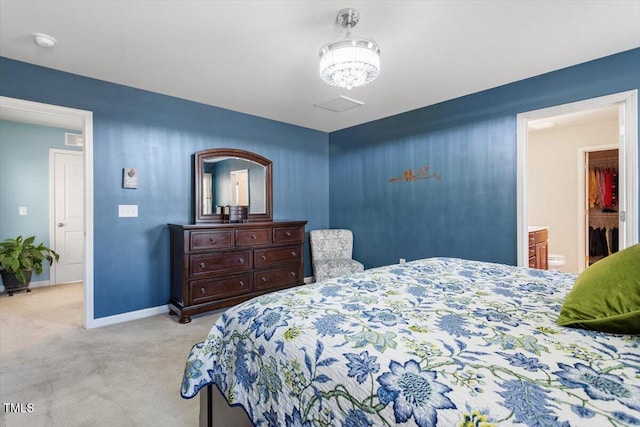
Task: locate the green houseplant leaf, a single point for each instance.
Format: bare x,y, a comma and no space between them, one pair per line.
19,255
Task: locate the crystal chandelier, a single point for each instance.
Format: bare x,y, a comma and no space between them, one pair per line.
352,61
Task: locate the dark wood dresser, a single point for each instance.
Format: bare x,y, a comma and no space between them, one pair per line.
219,265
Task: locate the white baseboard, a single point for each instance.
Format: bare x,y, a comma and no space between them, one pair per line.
125,317
132,315
40,284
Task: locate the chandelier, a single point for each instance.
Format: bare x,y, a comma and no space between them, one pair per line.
352,61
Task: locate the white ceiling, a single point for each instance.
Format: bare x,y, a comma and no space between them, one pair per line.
261,57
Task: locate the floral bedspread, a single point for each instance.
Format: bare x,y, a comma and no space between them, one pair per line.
440,341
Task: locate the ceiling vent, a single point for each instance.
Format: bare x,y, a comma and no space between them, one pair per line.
340,104
73,139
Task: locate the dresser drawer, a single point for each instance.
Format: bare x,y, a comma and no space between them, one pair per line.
220,262
538,236
532,251
201,240
288,234
270,256
207,290
258,236
274,278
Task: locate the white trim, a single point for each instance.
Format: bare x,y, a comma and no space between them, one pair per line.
628,153
86,118
40,284
582,192
629,143
87,150
45,283
131,315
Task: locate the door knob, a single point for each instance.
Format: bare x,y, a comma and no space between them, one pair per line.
60,224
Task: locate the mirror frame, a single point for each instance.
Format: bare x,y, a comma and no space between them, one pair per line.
241,154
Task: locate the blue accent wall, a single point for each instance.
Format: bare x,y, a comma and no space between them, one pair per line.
158,135
471,142
24,180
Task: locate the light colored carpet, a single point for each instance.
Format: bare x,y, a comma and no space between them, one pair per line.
127,374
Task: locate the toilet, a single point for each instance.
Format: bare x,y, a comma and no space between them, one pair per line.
556,262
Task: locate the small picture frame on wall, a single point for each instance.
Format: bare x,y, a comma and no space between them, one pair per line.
129,178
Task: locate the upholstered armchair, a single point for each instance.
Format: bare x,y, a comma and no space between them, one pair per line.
331,254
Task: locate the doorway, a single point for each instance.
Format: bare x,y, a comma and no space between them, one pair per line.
69,118
625,104
598,213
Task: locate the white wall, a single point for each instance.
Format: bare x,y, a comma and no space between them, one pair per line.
552,182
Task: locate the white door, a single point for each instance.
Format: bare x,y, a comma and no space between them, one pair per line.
68,215
240,187
207,194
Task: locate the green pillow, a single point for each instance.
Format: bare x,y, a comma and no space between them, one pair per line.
606,296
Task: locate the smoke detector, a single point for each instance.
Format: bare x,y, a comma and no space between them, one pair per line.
44,40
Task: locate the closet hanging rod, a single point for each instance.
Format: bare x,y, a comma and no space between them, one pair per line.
603,160
610,165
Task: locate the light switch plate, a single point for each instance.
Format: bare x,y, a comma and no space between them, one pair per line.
128,211
22,210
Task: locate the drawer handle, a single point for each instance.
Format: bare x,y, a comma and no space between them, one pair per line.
202,291
293,253
288,233
212,240
293,273
264,257
264,279
241,260
241,283
203,265
253,236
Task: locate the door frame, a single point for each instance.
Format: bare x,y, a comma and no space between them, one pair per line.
63,115
53,271
628,146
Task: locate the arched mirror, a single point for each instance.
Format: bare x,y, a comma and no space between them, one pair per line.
227,177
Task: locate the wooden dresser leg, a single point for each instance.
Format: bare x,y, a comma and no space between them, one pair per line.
184,319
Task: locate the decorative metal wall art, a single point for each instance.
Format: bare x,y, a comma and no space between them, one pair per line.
423,173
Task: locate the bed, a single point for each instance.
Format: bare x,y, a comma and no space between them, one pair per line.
439,341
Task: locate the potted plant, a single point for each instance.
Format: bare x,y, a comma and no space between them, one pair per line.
19,258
